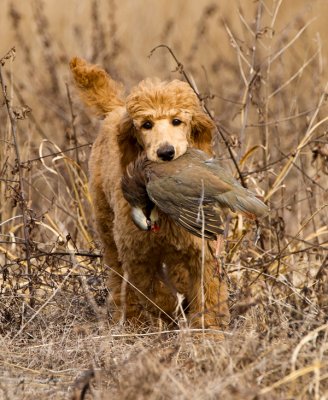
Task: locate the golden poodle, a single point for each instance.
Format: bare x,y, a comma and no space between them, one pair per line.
148,270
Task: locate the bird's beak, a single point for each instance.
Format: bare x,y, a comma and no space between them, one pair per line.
154,227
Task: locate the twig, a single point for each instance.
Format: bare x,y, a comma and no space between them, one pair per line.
79,253
55,153
273,57
292,376
307,136
126,280
21,99
240,55
297,73
304,173
73,117
180,68
202,217
310,336
75,265
285,119
10,55
318,246
283,281
22,200
254,74
281,254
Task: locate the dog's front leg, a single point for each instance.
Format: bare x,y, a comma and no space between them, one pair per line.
208,296
143,296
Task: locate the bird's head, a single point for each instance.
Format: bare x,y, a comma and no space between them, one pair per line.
143,222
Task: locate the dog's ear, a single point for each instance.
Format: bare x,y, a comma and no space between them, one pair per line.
128,142
202,128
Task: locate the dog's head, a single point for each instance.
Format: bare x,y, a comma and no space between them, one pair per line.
166,118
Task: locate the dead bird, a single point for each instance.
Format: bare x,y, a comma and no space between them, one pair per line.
193,190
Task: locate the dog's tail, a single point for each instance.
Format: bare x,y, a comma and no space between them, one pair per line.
97,89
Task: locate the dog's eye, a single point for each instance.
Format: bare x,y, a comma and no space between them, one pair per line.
147,125
176,122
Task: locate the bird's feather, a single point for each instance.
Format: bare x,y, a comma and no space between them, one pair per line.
189,189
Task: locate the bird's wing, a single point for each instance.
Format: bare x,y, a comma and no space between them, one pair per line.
231,193
193,222
186,209
220,185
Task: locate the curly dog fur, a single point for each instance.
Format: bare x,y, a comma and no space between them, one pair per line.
156,266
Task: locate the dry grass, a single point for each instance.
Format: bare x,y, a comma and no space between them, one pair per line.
261,70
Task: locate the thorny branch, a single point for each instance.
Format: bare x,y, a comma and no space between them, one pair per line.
56,153
182,71
22,200
73,117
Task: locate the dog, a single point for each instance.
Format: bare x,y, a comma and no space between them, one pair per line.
149,270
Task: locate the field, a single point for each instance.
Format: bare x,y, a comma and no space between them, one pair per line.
261,69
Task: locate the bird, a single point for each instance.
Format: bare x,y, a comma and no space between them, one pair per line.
194,190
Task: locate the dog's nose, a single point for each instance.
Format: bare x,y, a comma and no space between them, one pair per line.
166,152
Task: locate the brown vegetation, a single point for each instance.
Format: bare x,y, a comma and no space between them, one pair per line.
261,71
